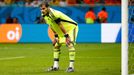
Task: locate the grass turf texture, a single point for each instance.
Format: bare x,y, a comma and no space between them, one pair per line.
91,59
131,58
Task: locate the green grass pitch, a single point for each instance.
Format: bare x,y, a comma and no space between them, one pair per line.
34,59
131,58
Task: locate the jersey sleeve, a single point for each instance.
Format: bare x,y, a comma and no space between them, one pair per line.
62,16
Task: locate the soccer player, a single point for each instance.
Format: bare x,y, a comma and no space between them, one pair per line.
65,32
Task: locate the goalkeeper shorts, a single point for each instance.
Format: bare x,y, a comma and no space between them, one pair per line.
62,40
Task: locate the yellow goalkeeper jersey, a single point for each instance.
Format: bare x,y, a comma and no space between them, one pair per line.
54,17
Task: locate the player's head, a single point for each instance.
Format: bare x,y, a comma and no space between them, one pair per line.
44,8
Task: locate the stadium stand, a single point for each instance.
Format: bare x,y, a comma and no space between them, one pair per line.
27,11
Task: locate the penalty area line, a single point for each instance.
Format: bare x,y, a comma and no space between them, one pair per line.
11,58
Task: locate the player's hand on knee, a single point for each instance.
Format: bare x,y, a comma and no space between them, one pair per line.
68,40
56,40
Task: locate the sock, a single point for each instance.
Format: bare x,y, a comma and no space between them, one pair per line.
71,56
56,58
56,64
71,64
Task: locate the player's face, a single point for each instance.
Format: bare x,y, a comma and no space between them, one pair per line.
44,9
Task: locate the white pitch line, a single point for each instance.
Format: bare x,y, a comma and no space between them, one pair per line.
10,58
99,57
6,48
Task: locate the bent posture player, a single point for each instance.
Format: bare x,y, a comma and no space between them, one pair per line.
65,32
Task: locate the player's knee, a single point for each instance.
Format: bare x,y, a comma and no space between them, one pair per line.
56,48
56,45
71,45
71,49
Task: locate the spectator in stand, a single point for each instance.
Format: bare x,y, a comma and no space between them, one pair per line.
90,16
28,3
91,2
46,1
112,2
131,2
71,2
102,2
55,2
63,3
36,3
19,2
102,16
8,2
2,3
79,1
118,1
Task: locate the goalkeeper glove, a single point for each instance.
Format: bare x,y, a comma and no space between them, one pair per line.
68,40
56,39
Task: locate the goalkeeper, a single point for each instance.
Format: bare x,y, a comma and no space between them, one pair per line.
65,32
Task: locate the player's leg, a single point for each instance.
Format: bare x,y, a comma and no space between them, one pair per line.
71,48
56,55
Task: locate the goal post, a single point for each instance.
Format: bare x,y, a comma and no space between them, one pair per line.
124,43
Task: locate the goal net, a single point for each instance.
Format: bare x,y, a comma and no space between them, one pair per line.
131,37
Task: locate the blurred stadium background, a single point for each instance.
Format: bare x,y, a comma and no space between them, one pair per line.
26,49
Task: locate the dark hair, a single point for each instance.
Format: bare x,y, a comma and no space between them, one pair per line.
44,3
9,20
91,9
104,9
